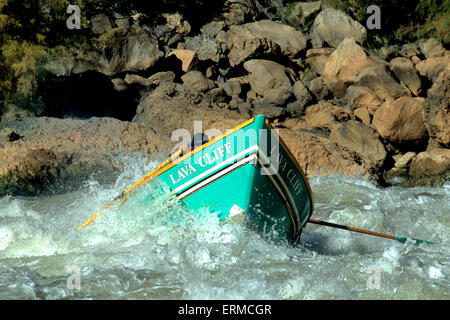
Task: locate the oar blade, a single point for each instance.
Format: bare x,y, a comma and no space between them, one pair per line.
416,241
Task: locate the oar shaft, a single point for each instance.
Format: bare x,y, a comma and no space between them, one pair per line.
338,226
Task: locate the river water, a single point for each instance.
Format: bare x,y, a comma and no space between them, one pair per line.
157,250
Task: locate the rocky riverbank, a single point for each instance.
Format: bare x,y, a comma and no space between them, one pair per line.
340,107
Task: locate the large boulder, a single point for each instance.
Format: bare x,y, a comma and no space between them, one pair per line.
331,26
350,65
432,48
437,109
301,14
46,154
322,116
320,156
173,108
256,39
176,22
100,23
362,140
404,70
430,162
197,81
266,74
238,11
270,111
433,66
206,47
362,97
401,120
120,50
303,98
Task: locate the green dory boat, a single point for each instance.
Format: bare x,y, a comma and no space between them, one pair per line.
246,172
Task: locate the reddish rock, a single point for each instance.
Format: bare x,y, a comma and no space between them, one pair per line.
350,65
51,152
362,140
362,97
320,156
188,58
401,120
322,116
363,115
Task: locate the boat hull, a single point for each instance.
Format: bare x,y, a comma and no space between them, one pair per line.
246,171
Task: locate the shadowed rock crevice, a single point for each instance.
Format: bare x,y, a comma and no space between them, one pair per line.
90,94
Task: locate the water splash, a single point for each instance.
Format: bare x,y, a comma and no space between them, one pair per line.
152,247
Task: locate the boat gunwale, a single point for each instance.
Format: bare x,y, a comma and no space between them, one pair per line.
205,145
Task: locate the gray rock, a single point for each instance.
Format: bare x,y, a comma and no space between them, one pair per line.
236,102
133,49
100,23
14,113
269,110
254,39
404,70
361,139
232,88
216,95
197,81
119,84
332,26
432,48
430,162
301,14
301,93
403,160
296,108
362,97
154,79
409,50
318,88
56,152
8,135
212,28
437,109
266,74
238,11
206,47
277,96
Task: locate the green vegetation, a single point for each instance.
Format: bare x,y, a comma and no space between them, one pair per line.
30,30
402,20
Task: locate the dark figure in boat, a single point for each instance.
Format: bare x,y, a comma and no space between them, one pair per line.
197,140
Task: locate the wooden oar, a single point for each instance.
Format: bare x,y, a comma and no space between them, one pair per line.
377,234
124,195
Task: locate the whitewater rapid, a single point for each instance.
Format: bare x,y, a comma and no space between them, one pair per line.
155,249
